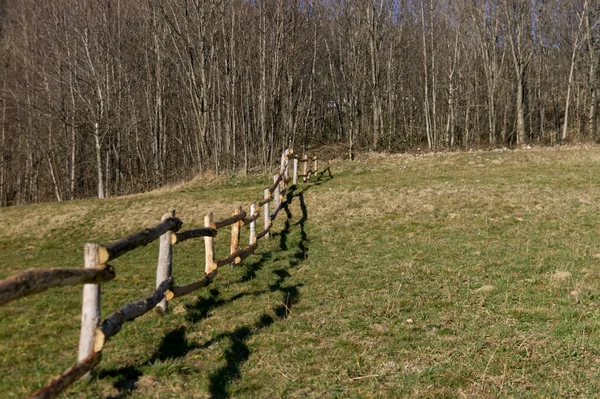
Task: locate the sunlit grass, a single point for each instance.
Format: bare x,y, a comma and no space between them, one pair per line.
428,276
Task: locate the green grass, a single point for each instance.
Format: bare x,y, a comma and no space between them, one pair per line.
375,294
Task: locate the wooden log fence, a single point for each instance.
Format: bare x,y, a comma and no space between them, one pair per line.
34,281
95,332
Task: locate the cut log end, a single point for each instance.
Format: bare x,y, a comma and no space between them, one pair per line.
169,295
103,255
99,340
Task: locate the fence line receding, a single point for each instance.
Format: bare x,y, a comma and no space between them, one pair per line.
95,332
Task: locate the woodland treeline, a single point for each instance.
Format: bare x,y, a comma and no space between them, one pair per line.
106,97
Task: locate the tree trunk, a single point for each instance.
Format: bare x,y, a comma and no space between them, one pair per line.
520,107
98,144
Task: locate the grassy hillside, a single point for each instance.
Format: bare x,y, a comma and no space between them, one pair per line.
449,275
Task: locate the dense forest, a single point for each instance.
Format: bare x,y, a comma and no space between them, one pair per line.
106,97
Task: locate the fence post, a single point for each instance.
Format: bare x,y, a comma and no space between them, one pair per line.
252,223
305,168
315,165
266,212
164,269
282,166
235,234
295,176
286,173
90,308
209,247
276,196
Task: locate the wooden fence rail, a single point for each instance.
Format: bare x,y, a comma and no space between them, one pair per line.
34,281
96,332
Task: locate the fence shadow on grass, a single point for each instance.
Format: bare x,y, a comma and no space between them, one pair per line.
238,351
175,344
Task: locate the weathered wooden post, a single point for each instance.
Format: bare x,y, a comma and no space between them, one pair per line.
235,234
267,212
164,269
276,194
90,308
209,247
305,168
295,175
315,165
282,165
286,173
252,223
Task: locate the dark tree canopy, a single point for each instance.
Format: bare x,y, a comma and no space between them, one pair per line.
112,97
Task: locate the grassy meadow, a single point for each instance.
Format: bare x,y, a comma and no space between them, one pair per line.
448,275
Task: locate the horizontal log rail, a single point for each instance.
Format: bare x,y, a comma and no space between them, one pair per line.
68,377
113,323
34,281
298,157
238,256
253,218
142,238
178,291
264,232
266,200
276,183
193,233
229,221
95,334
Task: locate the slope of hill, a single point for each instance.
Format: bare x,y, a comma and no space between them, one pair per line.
465,274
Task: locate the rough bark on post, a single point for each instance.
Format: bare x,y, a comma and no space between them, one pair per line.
286,171
266,212
90,308
283,160
276,196
315,165
282,185
252,224
295,176
209,247
235,233
164,269
305,168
